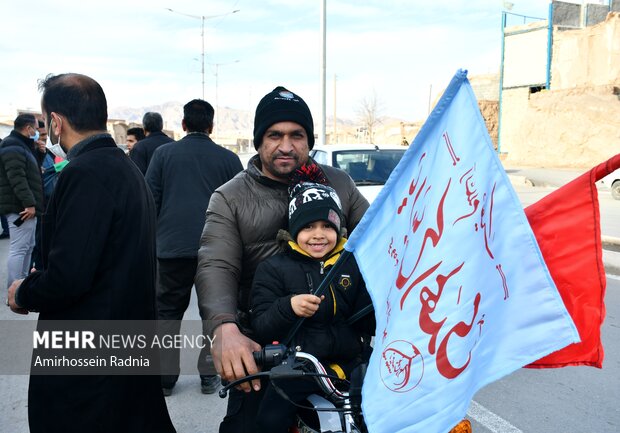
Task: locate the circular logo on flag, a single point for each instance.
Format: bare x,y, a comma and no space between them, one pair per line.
402,366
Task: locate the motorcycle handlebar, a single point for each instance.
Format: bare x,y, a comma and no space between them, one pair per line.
270,359
270,356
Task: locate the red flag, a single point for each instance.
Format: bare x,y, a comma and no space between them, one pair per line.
566,224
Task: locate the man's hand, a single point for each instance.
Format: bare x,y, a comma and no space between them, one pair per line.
232,355
27,213
11,298
306,305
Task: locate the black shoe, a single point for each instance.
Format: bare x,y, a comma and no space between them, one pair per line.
209,384
166,391
4,235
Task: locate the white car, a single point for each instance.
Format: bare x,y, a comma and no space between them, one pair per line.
368,165
612,181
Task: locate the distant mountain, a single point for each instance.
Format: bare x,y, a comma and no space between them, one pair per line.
235,123
172,113
229,121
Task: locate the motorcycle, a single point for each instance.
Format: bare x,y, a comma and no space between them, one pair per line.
333,410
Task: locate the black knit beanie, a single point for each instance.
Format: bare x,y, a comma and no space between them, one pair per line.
311,202
282,105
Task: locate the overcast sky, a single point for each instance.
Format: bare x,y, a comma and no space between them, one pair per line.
143,54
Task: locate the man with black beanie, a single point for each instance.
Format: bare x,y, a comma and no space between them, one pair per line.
278,106
242,222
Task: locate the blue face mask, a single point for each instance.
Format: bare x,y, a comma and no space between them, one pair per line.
35,137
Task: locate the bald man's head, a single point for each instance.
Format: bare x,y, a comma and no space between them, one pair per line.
79,98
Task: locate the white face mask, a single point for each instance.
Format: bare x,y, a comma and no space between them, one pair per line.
54,148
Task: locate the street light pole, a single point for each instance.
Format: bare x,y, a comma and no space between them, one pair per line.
322,120
217,107
202,37
202,19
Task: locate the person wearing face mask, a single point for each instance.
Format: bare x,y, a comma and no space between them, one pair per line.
21,193
49,170
49,174
98,248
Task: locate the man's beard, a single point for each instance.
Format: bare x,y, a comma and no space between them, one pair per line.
283,172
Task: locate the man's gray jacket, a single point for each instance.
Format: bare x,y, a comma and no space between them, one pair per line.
242,224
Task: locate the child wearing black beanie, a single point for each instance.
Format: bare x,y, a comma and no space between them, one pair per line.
283,291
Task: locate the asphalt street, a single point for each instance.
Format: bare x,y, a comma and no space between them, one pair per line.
190,410
570,399
193,412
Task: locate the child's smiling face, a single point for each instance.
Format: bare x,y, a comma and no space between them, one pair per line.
317,239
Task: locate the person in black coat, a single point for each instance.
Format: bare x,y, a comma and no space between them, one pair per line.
144,149
282,292
98,266
182,176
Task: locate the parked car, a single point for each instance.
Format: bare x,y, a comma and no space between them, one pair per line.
368,165
612,181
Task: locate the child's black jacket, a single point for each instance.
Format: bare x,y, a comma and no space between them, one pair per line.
325,335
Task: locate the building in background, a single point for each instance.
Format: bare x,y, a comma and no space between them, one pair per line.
559,86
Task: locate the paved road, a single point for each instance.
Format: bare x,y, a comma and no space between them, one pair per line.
570,399
521,401
191,411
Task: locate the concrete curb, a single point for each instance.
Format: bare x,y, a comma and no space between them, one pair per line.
517,180
611,254
611,244
611,261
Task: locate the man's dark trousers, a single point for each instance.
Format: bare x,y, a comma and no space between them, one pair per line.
175,279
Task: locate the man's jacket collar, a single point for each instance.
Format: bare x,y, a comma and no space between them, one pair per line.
92,142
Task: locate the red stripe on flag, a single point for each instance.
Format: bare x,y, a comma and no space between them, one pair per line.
566,224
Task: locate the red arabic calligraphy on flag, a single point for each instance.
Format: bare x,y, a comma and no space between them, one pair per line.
460,290
428,276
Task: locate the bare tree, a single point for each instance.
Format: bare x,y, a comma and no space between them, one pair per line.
368,113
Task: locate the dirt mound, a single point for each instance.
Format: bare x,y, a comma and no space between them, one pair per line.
568,128
490,111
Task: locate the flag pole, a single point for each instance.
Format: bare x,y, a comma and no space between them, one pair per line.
342,260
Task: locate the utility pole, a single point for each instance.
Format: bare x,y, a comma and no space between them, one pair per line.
430,92
335,140
323,72
202,19
216,127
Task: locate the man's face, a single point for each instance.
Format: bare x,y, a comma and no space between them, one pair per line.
283,150
131,142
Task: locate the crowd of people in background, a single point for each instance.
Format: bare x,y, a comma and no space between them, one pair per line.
191,217
150,135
